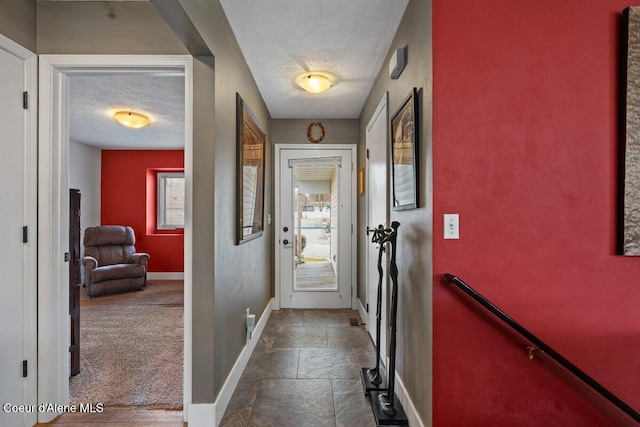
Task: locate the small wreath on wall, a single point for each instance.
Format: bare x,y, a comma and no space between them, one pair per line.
310,132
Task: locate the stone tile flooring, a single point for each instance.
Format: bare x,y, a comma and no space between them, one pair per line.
305,371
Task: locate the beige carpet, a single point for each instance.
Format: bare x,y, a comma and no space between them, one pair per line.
131,348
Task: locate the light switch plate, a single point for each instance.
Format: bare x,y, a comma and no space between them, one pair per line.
451,226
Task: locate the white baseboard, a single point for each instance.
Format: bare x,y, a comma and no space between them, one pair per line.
407,404
165,276
231,382
229,386
210,414
202,414
363,314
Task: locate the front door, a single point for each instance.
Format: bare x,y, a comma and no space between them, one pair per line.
315,240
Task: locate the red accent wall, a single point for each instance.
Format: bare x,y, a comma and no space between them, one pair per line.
128,198
525,147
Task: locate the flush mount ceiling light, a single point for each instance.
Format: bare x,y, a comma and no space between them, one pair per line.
131,119
314,82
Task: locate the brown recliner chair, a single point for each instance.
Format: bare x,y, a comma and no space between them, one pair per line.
111,264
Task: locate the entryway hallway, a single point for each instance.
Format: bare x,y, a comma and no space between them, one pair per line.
303,372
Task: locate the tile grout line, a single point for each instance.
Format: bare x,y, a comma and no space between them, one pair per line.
253,403
326,335
333,401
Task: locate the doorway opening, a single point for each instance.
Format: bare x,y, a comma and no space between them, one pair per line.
128,177
315,213
54,152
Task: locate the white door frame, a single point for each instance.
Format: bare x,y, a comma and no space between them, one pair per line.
30,218
354,215
53,222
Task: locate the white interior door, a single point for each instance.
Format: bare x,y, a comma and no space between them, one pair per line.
377,213
17,299
315,240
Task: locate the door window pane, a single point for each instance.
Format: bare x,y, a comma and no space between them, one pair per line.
315,235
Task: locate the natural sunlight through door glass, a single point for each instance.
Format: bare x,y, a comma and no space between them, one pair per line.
315,234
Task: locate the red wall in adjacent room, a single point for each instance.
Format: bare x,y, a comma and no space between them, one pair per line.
124,201
525,147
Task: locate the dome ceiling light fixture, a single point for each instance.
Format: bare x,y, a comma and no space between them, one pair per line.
314,82
132,119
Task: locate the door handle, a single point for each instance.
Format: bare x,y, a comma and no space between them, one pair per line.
285,242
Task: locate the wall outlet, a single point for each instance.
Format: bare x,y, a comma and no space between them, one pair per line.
451,226
251,324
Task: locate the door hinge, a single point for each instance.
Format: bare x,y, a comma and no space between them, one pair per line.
24,369
351,228
25,234
367,153
25,100
367,307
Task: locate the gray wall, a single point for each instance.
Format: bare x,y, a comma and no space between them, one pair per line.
414,355
203,231
294,131
105,28
18,22
243,274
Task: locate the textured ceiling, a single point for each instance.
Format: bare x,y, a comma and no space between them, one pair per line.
94,99
281,39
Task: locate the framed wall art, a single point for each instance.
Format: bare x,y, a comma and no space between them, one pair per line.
315,132
629,197
404,154
250,146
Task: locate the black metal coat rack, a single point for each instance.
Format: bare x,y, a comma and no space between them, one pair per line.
373,379
387,410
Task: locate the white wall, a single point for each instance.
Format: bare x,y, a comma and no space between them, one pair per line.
84,175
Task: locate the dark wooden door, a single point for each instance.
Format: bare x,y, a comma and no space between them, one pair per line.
74,279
